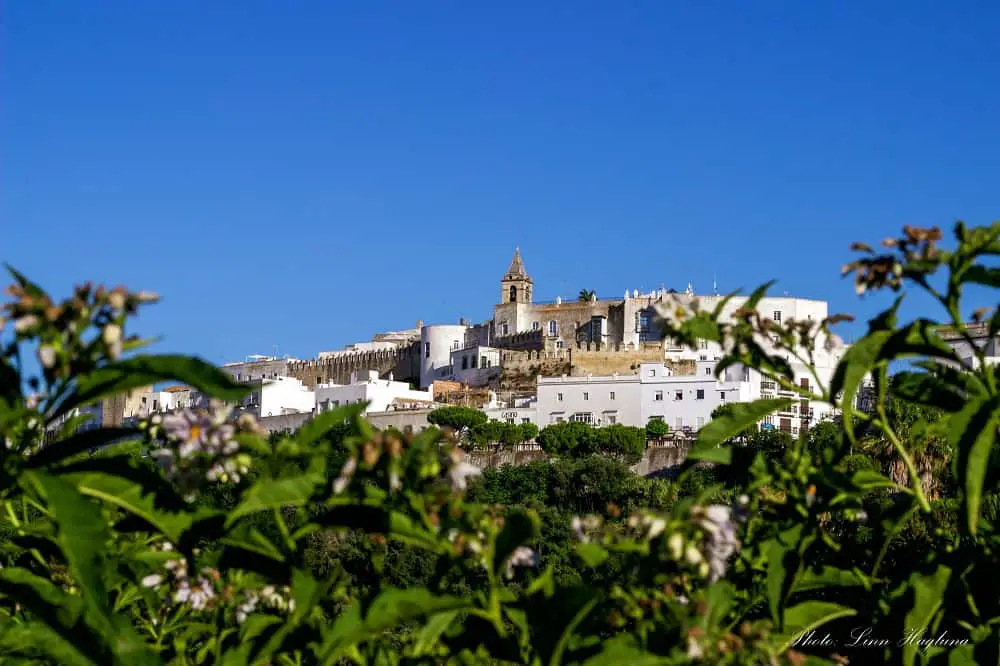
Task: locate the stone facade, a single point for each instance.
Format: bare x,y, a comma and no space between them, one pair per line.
402,362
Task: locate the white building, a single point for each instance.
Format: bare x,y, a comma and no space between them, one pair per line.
593,400
979,333
682,401
476,365
520,410
278,395
382,395
436,344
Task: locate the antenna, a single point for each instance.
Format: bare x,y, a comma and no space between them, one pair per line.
715,284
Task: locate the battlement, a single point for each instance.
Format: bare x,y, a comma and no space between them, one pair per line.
402,361
523,341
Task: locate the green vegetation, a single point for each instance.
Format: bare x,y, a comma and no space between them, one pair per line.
195,539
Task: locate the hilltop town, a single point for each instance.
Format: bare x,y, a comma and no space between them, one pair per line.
595,360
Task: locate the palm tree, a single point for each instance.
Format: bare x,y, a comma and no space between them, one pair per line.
587,295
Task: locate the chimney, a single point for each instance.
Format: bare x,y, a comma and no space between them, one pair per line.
461,321
420,324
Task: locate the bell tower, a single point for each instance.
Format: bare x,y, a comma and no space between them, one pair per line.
515,287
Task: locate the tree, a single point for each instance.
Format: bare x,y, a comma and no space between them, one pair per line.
657,429
458,419
528,431
626,443
567,438
587,295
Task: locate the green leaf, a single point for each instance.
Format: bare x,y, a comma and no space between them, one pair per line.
83,537
973,431
266,494
592,554
377,520
856,363
624,649
983,275
742,416
782,567
927,389
141,371
430,633
826,576
78,443
161,515
807,616
40,643
315,429
391,608
928,595
518,528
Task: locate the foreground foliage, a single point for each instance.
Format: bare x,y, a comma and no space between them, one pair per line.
194,538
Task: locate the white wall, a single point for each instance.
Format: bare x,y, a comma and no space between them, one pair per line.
379,393
436,345
687,400
559,398
282,395
482,365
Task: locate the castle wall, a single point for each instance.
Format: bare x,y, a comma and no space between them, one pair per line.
402,362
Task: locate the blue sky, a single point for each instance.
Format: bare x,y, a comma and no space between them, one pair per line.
306,174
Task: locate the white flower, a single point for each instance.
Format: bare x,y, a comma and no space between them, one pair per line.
116,300
200,596
694,649
246,608
25,323
112,337
676,545
460,473
47,356
153,580
721,543
577,526
521,557
394,482
692,554
656,528
346,472
188,428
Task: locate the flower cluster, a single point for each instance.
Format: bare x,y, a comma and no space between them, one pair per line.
916,252
270,597
198,594
720,542
199,445
60,327
521,557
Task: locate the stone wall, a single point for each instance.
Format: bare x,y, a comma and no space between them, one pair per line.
402,362
657,461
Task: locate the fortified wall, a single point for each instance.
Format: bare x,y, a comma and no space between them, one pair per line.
519,369
403,362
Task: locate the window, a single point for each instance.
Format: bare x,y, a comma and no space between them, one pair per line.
708,370
556,417
611,419
678,395
523,420
513,294
700,394
559,344
804,382
658,396
465,363
777,316
483,363
612,395
703,344
583,417
504,330
722,396
535,326
586,396
552,327
559,397
427,350
474,359
652,372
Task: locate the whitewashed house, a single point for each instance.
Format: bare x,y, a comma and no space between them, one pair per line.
381,394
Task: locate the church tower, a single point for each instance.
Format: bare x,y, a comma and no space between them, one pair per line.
515,285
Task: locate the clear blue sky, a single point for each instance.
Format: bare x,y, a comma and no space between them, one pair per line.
308,173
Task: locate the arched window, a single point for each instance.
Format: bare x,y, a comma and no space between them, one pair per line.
504,330
552,327
513,294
